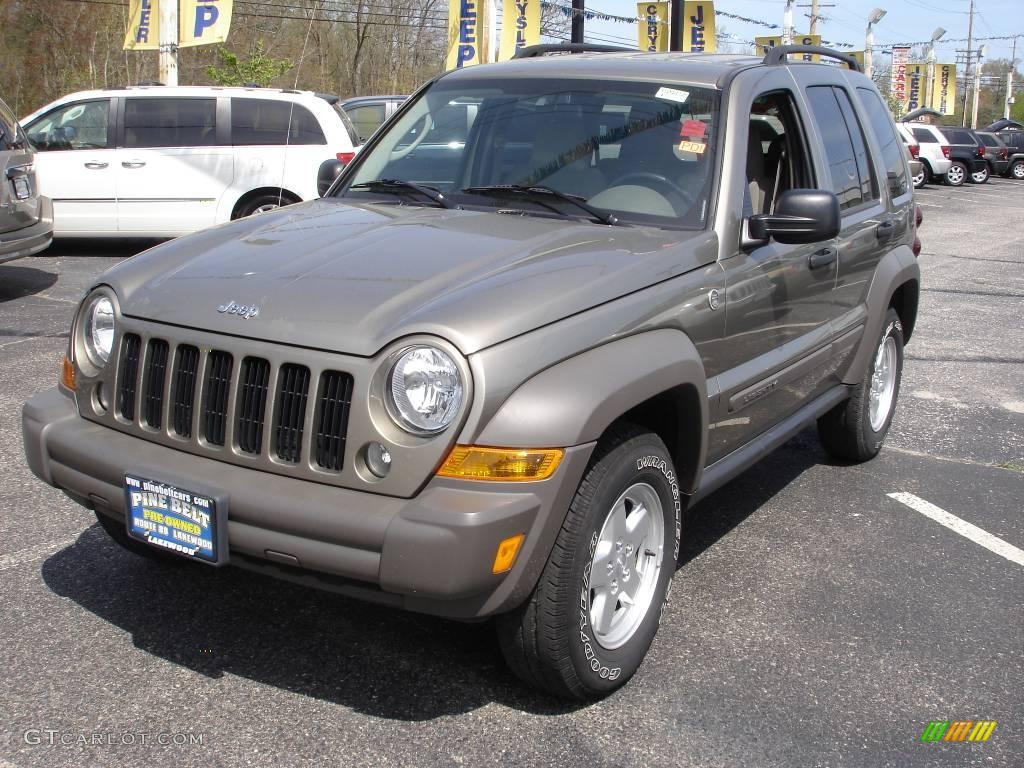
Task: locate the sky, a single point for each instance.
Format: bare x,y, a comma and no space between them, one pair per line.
905,21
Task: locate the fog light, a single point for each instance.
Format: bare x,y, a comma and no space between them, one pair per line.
471,462
505,557
378,459
67,374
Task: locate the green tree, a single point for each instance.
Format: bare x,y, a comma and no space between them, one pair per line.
259,68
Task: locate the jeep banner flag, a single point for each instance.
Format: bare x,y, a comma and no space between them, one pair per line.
767,42
467,33
520,26
917,76
143,26
898,85
652,31
699,27
201,22
944,89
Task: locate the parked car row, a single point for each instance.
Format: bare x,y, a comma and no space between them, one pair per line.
953,155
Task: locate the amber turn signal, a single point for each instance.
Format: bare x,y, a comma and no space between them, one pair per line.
67,374
470,462
505,557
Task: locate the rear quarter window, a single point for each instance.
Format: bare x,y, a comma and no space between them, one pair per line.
924,136
265,122
881,125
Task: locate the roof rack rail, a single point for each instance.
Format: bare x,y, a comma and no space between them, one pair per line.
778,54
532,51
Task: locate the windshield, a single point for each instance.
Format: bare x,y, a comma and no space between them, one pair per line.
642,153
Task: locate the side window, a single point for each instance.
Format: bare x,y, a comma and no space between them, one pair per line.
263,122
844,161
163,122
988,140
924,136
367,119
82,125
8,127
776,152
885,132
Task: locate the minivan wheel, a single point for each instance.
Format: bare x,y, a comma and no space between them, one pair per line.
590,620
855,429
262,204
1017,169
956,174
980,177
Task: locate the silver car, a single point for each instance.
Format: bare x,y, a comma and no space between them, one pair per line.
26,218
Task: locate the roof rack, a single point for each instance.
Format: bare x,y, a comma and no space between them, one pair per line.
532,51
779,54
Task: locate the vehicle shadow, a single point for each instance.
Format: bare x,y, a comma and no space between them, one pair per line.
18,281
90,246
376,660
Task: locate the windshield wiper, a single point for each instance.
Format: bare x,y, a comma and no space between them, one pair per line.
537,191
398,186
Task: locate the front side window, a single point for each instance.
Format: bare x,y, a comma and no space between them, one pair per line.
367,118
81,125
892,150
844,147
262,122
641,152
163,122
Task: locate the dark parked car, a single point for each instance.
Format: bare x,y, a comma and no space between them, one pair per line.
997,154
26,217
1013,137
968,155
368,113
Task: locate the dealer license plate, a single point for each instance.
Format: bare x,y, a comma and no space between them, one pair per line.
172,518
22,190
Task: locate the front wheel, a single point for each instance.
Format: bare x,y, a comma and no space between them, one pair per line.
980,177
856,428
1017,170
590,620
956,174
920,178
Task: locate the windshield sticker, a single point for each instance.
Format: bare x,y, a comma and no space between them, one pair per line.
672,94
693,129
697,147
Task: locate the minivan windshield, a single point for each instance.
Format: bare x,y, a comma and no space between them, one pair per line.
614,152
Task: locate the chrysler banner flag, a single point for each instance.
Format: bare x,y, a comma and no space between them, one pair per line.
699,27
467,33
143,26
201,22
652,31
944,89
520,26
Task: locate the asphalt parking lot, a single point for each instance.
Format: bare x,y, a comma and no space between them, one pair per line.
815,620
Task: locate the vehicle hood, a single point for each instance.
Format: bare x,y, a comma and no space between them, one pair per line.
352,278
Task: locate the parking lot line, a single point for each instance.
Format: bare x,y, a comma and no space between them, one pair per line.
957,525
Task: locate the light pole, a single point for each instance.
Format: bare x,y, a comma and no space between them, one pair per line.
1014,61
930,59
977,84
787,24
869,40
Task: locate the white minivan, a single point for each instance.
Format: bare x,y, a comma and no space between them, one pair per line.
158,161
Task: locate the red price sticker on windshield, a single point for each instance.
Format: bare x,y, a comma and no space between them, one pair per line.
693,129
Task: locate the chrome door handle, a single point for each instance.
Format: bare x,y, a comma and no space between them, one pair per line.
132,164
96,166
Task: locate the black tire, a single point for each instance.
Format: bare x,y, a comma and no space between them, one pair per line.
116,530
846,430
263,203
922,178
979,177
1016,170
549,641
957,174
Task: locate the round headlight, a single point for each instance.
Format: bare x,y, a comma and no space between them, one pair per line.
99,330
424,390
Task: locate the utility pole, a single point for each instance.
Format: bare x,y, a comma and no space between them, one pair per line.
675,26
814,16
1009,82
970,39
168,55
787,24
577,21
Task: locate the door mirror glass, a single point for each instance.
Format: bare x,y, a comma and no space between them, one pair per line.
801,216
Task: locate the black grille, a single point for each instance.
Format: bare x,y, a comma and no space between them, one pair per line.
153,383
333,401
290,411
129,375
252,403
215,399
183,389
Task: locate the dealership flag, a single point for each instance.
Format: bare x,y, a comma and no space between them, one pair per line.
917,75
699,27
766,43
201,22
944,89
467,33
652,31
900,59
143,26
520,26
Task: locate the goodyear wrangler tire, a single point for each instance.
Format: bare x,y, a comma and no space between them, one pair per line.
856,428
596,607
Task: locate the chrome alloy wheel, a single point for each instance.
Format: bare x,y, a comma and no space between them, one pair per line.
265,208
955,174
980,177
626,564
920,179
883,383
1018,170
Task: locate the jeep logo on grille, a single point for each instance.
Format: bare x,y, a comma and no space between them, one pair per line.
242,310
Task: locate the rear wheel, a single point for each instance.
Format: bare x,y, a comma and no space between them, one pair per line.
595,610
956,174
263,203
980,177
921,178
1016,169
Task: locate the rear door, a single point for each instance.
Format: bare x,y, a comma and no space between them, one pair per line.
171,172
19,207
75,165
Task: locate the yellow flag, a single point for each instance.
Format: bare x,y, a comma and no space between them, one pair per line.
652,31
467,33
520,26
699,26
858,57
143,26
944,89
916,76
766,43
201,22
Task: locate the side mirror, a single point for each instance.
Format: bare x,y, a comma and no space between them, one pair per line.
329,170
801,216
